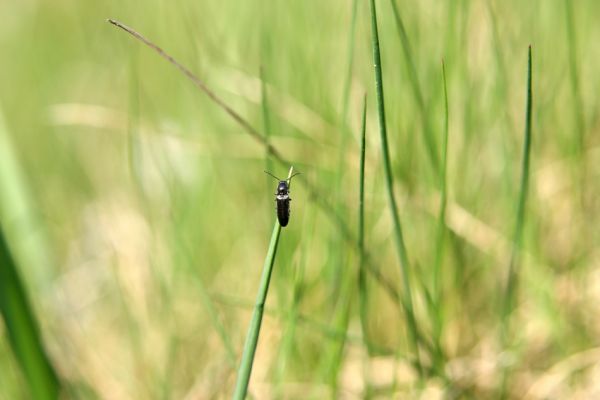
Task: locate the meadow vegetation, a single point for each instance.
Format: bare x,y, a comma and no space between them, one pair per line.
444,233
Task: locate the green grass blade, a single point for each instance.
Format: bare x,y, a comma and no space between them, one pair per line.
441,228
416,88
518,233
264,103
341,284
350,63
398,236
26,247
511,283
363,294
436,303
574,78
22,329
245,369
338,255
362,276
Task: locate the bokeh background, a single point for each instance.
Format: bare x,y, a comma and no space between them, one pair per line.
139,214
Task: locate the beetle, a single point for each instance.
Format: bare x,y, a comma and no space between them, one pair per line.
282,198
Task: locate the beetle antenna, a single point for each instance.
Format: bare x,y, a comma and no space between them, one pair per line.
297,173
268,173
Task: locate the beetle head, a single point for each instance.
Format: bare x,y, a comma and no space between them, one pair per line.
282,188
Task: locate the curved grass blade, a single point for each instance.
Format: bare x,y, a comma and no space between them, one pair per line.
264,104
416,88
574,80
518,234
398,236
511,283
27,248
441,226
243,378
23,332
362,278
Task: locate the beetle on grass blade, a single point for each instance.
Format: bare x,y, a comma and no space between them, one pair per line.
282,198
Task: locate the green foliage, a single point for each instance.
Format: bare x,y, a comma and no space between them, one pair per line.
139,213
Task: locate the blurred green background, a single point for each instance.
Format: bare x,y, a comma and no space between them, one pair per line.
139,215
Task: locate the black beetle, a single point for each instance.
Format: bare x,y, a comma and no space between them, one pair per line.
282,198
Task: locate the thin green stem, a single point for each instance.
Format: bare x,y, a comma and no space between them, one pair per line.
416,88
362,278
574,78
518,233
245,369
363,295
511,282
398,236
265,114
441,227
443,197
350,64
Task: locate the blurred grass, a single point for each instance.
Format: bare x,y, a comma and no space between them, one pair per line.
403,261
22,330
20,321
146,202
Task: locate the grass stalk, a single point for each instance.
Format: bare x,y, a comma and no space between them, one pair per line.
293,316
363,305
518,233
23,331
574,79
264,103
23,249
363,295
416,88
435,295
441,225
350,63
245,369
398,236
511,282
342,284
339,256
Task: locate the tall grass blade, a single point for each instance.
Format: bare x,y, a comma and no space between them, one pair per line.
26,248
416,88
441,226
398,236
350,63
22,329
443,200
363,298
338,256
245,369
363,294
574,78
518,233
264,102
341,283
